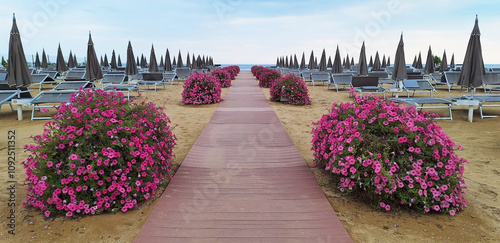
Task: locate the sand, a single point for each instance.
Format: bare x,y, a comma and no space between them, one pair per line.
478,223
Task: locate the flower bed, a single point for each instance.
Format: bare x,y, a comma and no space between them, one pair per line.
223,76
290,89
232,70
200,89
267,77
391,155
101,153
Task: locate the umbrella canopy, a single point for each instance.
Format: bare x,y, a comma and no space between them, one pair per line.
106,62
370,64
414,64
286,61
352,61
311,61
337,63
119,61
419,65
45,64
322,62
452,62
74,60
376,62
429,63
93,71
102,62
362,66
37,61
153,64
113,60
384,62
347,62
188,61
18,72
144,62
303,61
174,62
168,63
329,64
193,61
399,72
60,63
130,66
388,61
138,61
471,74
444,62
295,62
71,61
162,64
179,60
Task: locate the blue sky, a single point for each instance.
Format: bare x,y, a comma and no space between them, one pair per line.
256,31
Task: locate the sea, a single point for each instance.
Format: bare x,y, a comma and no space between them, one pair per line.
247,67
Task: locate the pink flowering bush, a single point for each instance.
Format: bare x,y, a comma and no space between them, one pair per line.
256,70
101,153
390,154
232,70
223,76
292,88
201,88
268,77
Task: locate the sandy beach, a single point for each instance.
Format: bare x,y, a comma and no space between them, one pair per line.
478,223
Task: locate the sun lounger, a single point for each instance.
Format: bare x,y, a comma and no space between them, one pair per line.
491,82
418,86
116,83
320,77
306,75
113,79
483,99
150,80
340,80
169,78
383,77
52,74
41,79
448,79
73,85
77,73
182,73
3,76
47,99
431,102
367,85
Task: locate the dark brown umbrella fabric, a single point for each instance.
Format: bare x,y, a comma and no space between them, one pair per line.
93,70
153,65
18,72
60,63
38,64
113,60
471,74
45,64
362,66
399,71
429,63
168,63
322,62
337,63
130,66
179,60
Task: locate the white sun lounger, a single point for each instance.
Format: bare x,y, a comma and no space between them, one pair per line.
47,99
428,103
340,80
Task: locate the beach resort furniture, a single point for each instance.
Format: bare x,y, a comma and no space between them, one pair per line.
383,77
448,79
3,76
73,85
320,77
363,84
116,83
150,80
183,73
340,80
428,103
491,82
75,74
306,75
47,99
418,86
169,77
7,95
41,79
52,74
485,100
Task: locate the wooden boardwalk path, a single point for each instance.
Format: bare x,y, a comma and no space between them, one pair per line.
243,181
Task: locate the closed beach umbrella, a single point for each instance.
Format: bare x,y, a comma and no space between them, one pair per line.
362,65
193,61
295,62
45,64
286,61
106,62
347,62
168,63
384,62
179,60
18,73
322,62
60,63
138,61
337,65
113,60
429,63
303,61
93,71
74,60
414,64
188,60
102,62
162,64
376,62
119,61
311,61
38,64
370,64
444,62
388,61
130,66
153,65
329,64
419,61
144,62
471,74
399,72
174,62
452,62
352,61
71,61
